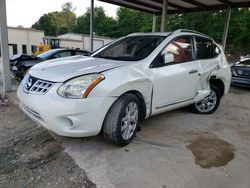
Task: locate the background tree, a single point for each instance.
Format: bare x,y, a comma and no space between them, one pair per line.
48,23
129,21
56,23
103,24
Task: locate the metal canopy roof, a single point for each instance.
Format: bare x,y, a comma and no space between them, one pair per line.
179,6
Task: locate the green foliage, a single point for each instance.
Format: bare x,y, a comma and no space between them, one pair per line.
56,23
103,25
212,23
129,21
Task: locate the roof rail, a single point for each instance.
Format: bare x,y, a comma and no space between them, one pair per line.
190,31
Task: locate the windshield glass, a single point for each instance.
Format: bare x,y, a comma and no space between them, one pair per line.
132,48
46,55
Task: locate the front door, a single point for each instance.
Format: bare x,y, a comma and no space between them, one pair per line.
175,82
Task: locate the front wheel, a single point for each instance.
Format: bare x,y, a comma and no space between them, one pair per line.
209,104
121,122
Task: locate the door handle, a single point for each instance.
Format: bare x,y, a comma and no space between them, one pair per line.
193,71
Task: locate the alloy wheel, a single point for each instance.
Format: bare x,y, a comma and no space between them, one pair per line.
129,120
208,103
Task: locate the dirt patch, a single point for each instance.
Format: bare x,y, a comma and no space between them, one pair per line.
210,151
35,159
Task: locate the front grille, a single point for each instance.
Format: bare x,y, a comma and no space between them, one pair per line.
36,86
40,87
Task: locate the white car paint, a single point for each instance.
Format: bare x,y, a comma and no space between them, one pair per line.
163,88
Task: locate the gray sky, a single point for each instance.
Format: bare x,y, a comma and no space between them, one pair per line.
27,12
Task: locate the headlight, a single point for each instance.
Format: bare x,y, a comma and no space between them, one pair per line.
80,87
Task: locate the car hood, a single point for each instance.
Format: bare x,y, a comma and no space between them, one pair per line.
62,69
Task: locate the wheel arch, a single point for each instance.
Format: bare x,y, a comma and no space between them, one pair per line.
219,84
143,108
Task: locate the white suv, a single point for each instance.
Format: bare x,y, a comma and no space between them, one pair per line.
130,79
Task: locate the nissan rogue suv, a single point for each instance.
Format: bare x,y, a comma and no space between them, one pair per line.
132,78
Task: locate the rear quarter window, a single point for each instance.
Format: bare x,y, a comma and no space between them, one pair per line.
205,48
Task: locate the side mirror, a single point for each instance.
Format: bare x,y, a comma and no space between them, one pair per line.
168,58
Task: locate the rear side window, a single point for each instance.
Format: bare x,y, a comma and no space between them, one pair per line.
63,54
80,53
204,47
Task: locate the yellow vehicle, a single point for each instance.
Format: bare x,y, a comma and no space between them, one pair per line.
48,44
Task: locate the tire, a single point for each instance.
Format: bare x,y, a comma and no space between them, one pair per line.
119,128
202,107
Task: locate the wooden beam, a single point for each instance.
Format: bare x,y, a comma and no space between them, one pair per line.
240,5
154,6
226,2
176,6
210,8
122,4
195,3
180,9
199,9
144,4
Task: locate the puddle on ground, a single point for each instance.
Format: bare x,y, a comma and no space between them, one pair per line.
211,151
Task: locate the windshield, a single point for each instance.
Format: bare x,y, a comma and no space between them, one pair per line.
46,55
132,48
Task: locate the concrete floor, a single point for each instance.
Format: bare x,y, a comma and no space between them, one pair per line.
159,156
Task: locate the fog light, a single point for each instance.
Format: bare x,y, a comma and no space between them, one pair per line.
66,123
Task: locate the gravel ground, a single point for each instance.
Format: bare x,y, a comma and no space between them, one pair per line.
31,157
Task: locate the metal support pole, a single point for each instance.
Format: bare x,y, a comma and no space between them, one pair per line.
91,25
226,26
154,23
164,15
4,59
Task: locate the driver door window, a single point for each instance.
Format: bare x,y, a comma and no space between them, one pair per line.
181,48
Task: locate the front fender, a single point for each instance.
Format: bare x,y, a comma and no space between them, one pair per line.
123,80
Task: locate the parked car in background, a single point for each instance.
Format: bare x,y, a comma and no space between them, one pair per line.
133,78
19,65
241,73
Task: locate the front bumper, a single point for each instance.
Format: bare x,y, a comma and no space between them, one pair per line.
66,117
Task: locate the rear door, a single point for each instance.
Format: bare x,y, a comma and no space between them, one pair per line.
207,53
